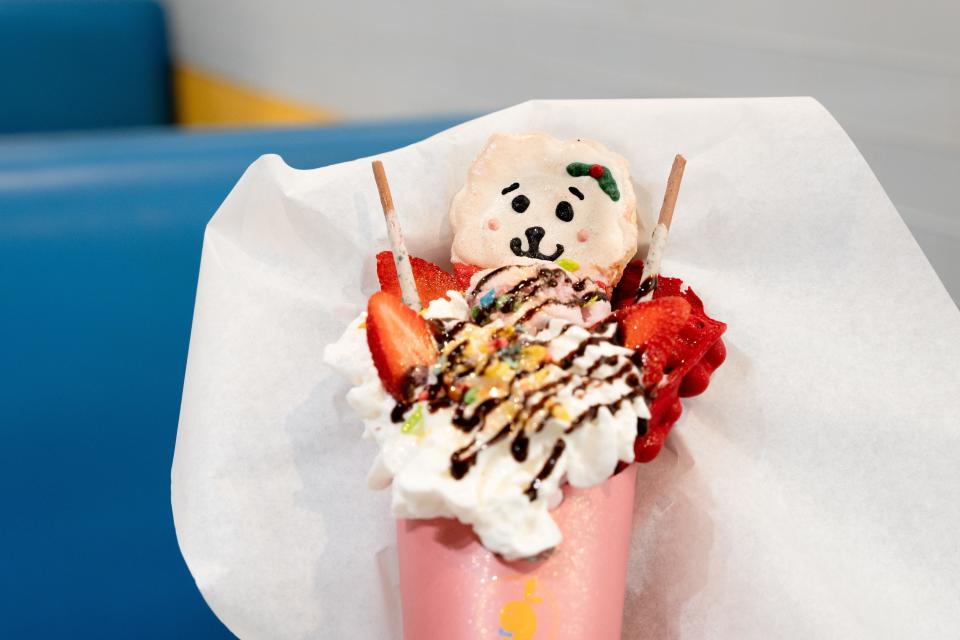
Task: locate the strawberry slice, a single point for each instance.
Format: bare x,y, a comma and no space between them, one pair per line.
432,281
463,273
641,322
400,342
657,356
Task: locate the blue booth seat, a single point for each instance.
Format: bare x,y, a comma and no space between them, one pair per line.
83,64
100,241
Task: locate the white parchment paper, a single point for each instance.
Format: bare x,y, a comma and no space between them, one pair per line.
812,492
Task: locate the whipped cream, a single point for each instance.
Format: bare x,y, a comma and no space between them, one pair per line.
519,403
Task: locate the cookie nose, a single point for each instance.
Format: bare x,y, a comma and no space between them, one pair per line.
534,236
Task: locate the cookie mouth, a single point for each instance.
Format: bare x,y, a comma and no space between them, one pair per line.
534,237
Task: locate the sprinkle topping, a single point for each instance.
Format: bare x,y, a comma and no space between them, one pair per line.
413,425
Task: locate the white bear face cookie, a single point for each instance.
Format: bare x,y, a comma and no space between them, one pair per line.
531,197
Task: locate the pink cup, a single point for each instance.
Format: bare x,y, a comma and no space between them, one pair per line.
451,587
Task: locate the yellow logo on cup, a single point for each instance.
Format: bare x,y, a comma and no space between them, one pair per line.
518,620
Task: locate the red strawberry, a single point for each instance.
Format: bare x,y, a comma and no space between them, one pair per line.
400,342
716,354
656,355
695,382
463,273
663,317
432,281
648,445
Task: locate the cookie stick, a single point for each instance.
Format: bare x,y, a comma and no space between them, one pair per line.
651,267
408,286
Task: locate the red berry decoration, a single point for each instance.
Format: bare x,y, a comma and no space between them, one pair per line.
642,322
695,382
716,354
678,363
463,273
596,171
655,356
649,445
400,342
432,281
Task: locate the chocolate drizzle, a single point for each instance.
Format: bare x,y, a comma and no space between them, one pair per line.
525,290
399,411
642,424
533,416
534,310
469,423
547,469
590,413
445,335
485,279
649,284
601,362
486,403
520,446
581,350
460,465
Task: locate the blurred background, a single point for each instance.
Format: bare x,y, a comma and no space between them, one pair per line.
123,124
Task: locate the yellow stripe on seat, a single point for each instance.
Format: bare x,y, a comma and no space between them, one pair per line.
203,99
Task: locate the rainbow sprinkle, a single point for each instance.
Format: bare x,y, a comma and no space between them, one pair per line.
470,395
413,425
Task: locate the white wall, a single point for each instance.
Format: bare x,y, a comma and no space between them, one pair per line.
888,70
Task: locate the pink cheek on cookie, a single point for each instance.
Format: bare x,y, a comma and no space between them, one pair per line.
583,235
493,224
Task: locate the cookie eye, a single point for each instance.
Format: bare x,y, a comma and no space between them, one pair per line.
520,204
565,211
